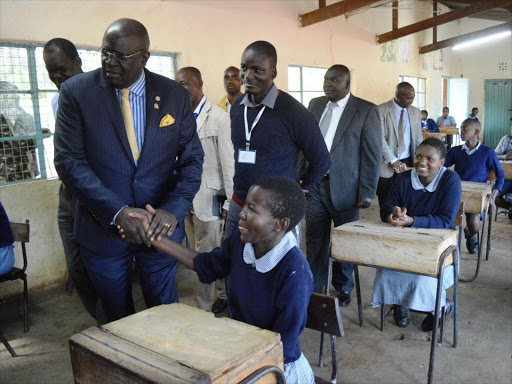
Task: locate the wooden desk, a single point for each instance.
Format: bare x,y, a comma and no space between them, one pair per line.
370,243
415,250
449,131
437,135
173,343
507,167
475,195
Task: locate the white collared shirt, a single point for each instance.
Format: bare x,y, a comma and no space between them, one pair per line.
470,151
270,259
337,111
432,186
407,132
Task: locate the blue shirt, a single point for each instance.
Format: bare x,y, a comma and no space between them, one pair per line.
433,206
407,130
137,98
6,237
285,128
476,166
446,121
430,124
276,300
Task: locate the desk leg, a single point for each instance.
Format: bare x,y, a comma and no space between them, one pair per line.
479,257
436,325
4,341
489,232
358,292
456,270
334,375
327,290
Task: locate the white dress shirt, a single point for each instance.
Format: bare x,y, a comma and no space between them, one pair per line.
407,132
337,111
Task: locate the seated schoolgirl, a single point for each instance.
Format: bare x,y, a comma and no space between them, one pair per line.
270,278
427,196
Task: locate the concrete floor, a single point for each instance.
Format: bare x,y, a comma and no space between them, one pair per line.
365,355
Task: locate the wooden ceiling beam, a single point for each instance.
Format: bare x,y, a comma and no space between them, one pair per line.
395,15
335,10
463,38
481,6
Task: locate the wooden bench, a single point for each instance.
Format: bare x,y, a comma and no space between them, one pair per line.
174,343
414,250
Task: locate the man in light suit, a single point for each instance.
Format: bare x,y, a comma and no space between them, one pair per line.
126,137
352,132
232,85
401,136
205,221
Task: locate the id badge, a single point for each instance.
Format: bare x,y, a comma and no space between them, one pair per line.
246,156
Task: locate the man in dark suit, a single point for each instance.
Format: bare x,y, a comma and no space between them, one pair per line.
352,133
126,137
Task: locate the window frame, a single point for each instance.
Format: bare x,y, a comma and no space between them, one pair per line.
34,92
301,82
401,78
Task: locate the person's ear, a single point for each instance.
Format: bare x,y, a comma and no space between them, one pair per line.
347,85
78,62
442,161
145,57
282,224
273,71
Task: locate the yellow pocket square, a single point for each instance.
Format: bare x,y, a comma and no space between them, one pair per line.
166,121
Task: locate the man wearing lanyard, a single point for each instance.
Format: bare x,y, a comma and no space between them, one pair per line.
268,129
204,222
401,136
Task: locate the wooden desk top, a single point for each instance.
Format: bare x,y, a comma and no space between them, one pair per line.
379,244
449,130
193,337
507,167
475,194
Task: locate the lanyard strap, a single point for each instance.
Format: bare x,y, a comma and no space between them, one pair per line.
247,132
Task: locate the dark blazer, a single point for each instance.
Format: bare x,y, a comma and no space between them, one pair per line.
94,160
356,151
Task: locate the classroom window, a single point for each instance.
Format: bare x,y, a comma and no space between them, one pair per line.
420,86
305,83
27,122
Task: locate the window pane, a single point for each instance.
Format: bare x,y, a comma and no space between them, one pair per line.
296,95
163,65
421,100
43,81
14,67
307,96
313,78
293,79
421,86
91,59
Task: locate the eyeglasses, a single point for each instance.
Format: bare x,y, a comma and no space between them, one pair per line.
106,55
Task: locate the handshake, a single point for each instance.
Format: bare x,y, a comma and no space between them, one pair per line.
142,226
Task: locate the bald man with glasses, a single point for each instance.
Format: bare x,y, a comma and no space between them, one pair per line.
126,137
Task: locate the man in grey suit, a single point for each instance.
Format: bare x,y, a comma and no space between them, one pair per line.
352,132
401,136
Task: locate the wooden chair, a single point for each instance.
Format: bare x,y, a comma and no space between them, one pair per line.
21,234
324,316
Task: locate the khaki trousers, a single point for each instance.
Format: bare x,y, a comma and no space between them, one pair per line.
204,236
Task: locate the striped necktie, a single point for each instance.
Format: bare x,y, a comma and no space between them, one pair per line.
126,111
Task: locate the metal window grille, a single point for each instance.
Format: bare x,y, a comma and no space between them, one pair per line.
305,83
26,114
420,86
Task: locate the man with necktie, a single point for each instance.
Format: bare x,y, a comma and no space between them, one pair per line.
401,136
352,133
126,137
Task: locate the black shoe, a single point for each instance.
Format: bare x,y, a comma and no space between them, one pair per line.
219,306
471,242
401,315
427,325
344,298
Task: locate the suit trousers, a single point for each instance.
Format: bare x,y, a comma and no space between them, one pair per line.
320,215
111,275
76,268
204,236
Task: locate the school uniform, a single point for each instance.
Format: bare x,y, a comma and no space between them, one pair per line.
430,124
271,292
6,243
475,164
432,206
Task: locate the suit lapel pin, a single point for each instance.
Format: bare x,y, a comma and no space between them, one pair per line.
157,98
156,106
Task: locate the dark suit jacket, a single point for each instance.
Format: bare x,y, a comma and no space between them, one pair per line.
356,151
94,160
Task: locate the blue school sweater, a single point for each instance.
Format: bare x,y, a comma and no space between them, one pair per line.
276,300
437,209
476,167
281,133
5,229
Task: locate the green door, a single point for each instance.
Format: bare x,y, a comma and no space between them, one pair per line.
498,110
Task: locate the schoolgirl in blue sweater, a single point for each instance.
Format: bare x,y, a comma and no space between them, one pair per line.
270,279
473,161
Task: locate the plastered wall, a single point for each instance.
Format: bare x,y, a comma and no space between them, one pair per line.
211,35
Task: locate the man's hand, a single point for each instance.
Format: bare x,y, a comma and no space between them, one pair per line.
163,223
133,230
509,156
398,166
364,202
224,214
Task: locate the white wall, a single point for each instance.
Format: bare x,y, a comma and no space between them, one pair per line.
211,35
